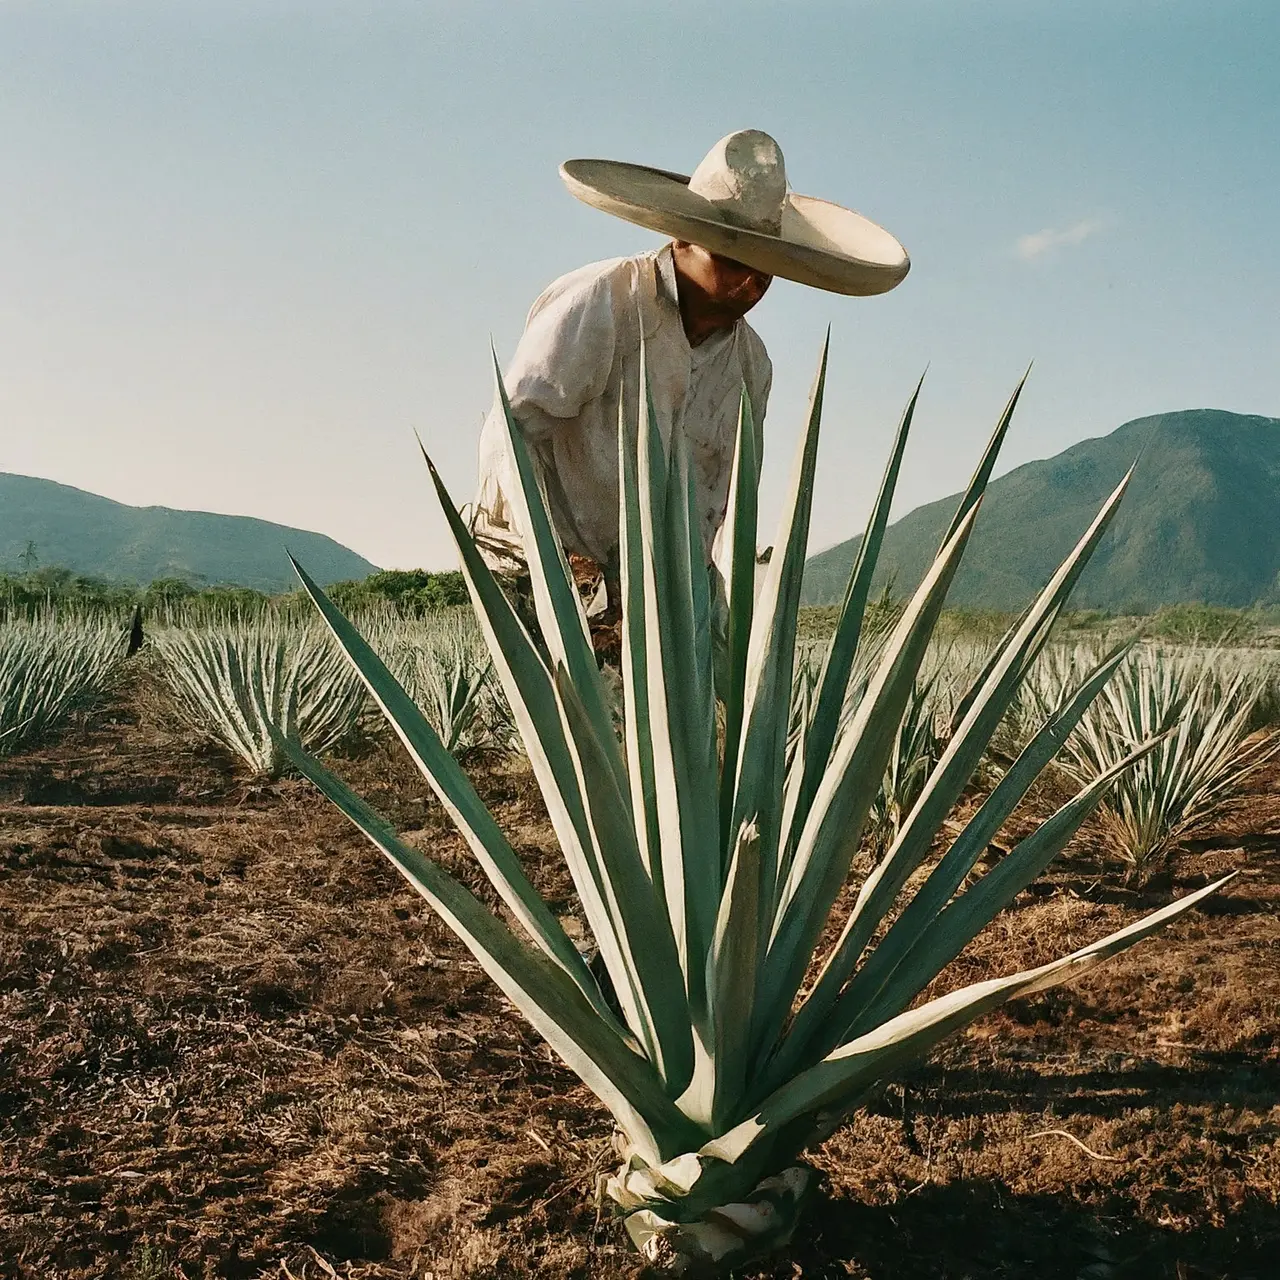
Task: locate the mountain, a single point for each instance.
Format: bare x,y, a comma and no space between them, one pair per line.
1200,522
100,538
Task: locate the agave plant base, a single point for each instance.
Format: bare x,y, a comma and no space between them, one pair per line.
660,1216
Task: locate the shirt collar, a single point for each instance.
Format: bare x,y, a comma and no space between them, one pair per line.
668,292
665,267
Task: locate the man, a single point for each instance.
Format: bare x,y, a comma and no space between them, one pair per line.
734,226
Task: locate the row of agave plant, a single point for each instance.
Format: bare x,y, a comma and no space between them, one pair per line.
1203,706
1214,706
710,846
243,679
49,668
250,681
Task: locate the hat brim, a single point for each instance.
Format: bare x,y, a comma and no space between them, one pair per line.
819,244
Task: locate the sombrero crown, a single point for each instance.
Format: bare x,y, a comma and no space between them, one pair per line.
736,203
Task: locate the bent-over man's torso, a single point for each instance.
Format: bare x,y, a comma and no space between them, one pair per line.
578,359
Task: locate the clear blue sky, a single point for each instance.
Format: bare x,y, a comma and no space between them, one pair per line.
247,248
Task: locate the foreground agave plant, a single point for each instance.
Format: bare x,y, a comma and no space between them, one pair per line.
707,878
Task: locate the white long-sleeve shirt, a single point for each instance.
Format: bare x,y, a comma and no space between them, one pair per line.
579,354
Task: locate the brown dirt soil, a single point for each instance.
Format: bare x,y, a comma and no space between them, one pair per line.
234,1044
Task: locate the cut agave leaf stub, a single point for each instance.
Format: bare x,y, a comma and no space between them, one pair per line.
731,1234
710,848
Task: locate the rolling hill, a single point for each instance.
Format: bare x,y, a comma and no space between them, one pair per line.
1201,522
101,538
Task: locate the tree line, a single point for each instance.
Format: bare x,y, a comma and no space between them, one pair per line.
34,588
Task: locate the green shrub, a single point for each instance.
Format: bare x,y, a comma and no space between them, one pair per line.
1202,624
413,592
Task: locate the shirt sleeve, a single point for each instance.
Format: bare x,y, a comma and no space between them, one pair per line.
565,357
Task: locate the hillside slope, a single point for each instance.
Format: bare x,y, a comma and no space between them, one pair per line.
96,536
1201,522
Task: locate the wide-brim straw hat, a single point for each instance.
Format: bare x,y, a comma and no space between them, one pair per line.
736,204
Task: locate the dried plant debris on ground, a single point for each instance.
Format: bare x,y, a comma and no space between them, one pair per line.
233,1044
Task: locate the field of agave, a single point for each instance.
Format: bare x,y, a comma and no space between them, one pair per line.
765,874
207,989
245,681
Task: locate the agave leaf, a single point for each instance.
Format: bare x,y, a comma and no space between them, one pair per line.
961,921
761,756
559,607
953,771
826,1089
979,683
681,717
977,486
739,535
623,1080
654,998
454,790
832,831
635,646
838,666
986,464
694,716
731,979
536,710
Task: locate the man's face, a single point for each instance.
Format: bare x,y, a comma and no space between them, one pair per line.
723,287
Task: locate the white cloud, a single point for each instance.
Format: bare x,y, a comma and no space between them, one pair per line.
1039,243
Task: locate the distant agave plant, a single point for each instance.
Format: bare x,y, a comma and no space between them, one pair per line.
1203,703
447,671
707,877
917,748
250,681
50,666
